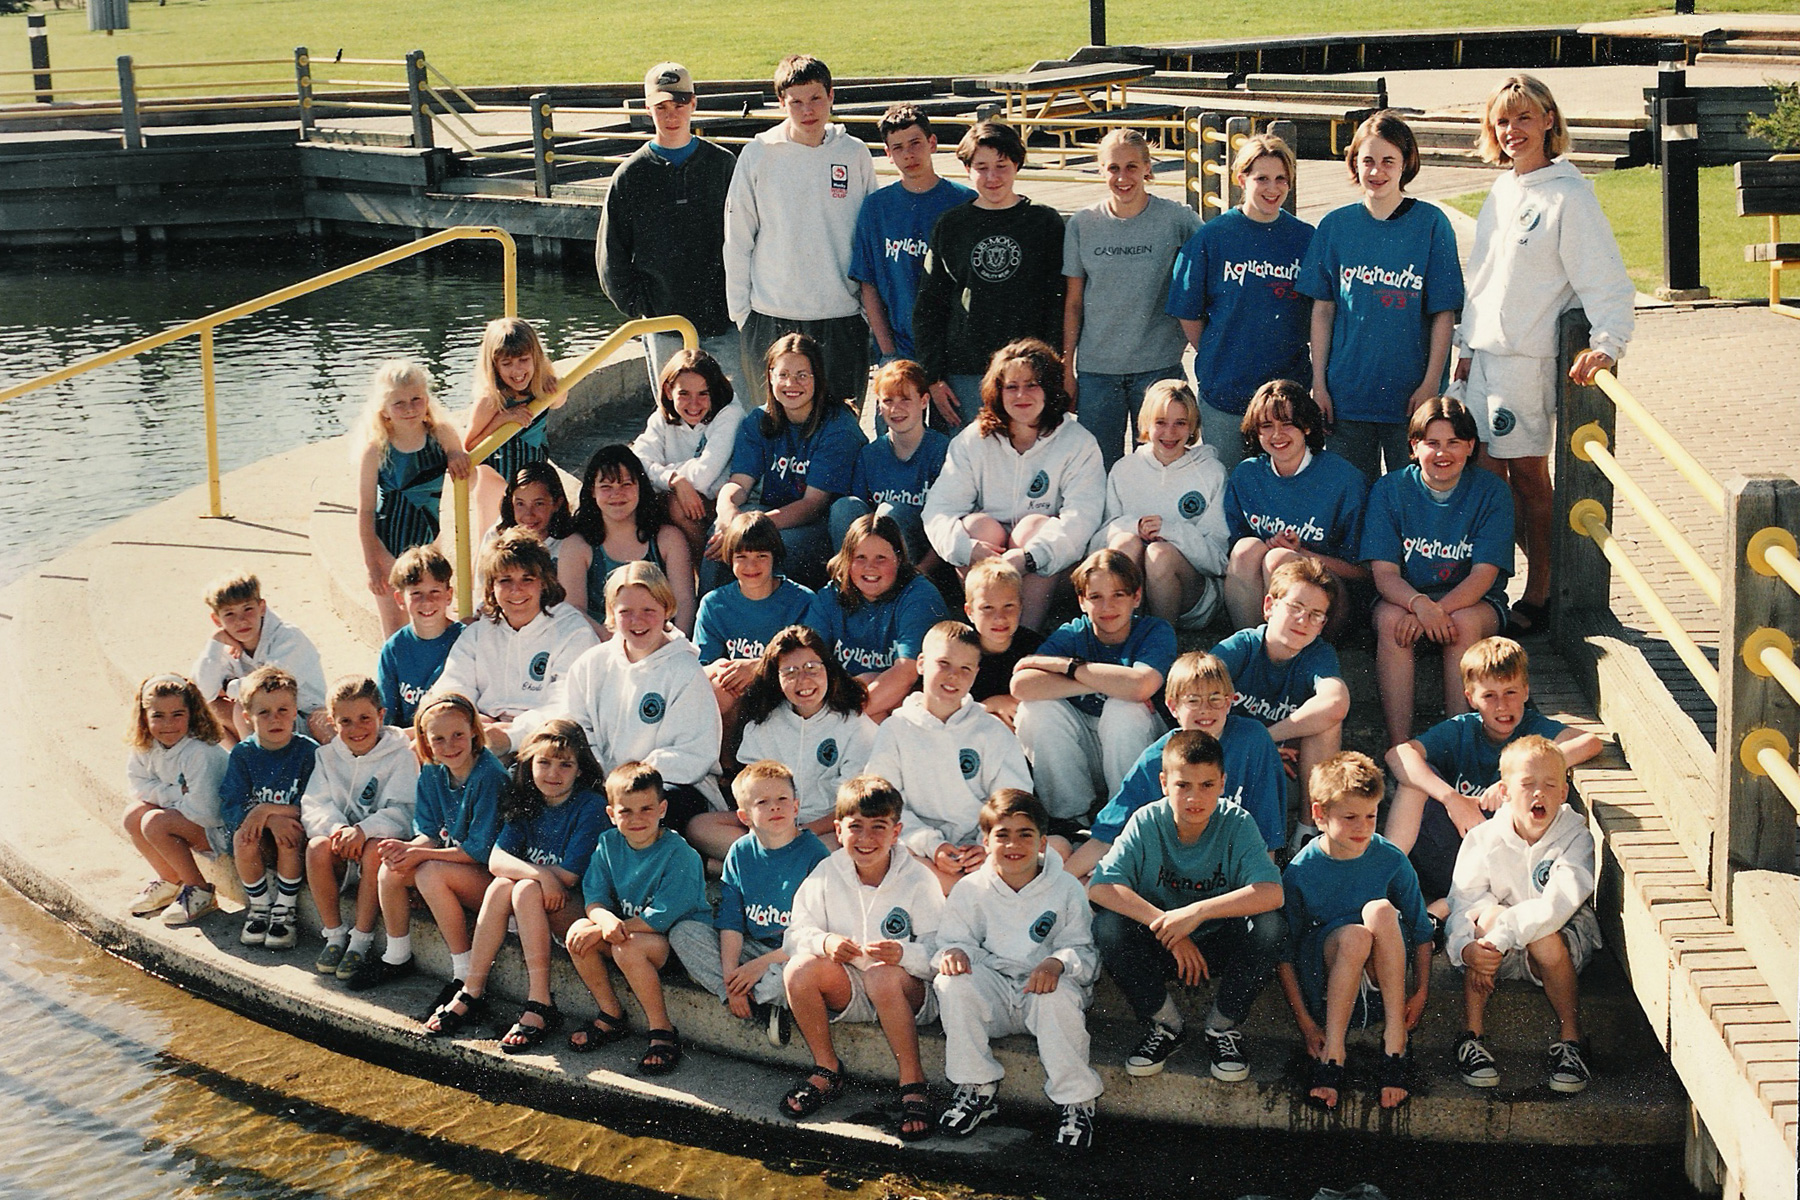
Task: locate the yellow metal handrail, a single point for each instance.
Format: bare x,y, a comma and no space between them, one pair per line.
1663,441
204,327
1589,444
1765,752
584,366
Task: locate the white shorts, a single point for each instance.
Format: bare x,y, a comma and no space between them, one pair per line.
1513,400
1581,935
861,1010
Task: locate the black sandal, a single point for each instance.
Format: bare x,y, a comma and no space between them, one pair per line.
445,1021
915,1110
1395,1071
522,1037
1325,1074
605,1029
663,1054
806,1097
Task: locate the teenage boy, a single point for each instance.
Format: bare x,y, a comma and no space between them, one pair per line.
789,220
993,274
1085,698
249,635
895,226
259,798
413,658
1187,892
660,251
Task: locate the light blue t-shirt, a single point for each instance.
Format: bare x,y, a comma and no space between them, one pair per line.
731,625
1323,894
1150,643
881,478
1435,543
1322,505
256,776
1254,781
466,816
756,890
1463,755
1150,860
563,836
876,636
1237,275
407,667
787,464
659,884
1387,279
893,231
1270,691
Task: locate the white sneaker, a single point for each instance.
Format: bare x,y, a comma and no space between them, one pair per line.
256,927
284,928
192,904
155,896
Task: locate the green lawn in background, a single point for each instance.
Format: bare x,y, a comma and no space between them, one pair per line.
568,41
1633,203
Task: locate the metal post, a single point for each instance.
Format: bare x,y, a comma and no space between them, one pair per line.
1583,576
1193,153
1678,124
415,99
215,506
303,87
39,36
543,146
1097,22
1212,163
1237,132
128,105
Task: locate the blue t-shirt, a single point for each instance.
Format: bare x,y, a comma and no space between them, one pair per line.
876,636
756,891
888,250
1254,781
1436,543
881,478
562,836
1463,755
256,776
1237,275
407,667
1323,894
1322,505
1267,690
731,625
659,884
678,155
1387,279
466,816
787,464
1150,643
1150,860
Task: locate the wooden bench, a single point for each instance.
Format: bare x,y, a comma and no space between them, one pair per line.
1772,190
1335,101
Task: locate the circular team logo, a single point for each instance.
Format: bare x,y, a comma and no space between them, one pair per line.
368,792
1504,421
1191,505
540,662
651,707
828,752
1540,875
1040,928
1040,483
897,925
1529,217
969,759
996,259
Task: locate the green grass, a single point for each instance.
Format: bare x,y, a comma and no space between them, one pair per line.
1633,203
568,41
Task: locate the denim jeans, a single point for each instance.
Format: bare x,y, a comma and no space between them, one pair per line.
1366,443
1241,953
1107,406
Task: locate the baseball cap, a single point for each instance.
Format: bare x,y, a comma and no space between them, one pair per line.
664,80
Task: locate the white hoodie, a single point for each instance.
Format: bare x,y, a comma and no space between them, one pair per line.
1061,476
508,671
821,751
699,454
906,907
1188,495
1542,884
1542,245
659,711
375,792
945,769
280,645
1013,932
790,217
184,777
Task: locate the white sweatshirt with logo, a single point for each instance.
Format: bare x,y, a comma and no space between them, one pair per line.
1013,932
1188,494
279,645
1541,883
1061,476
821,751
906,907
375,792
700,454
508,671
945,769
184,777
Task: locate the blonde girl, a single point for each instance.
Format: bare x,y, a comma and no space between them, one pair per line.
512,372
687,442
407,445
554,813
173,779
1164,510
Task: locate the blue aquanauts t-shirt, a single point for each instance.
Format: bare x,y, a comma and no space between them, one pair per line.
893,231
1150,643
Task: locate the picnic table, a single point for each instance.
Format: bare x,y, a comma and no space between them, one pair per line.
1063,91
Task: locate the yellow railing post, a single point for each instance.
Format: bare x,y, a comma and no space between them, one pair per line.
215,504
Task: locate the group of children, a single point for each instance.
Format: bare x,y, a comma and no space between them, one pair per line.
938,818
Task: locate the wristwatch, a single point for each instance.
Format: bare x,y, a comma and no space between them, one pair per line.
1074,665
1031,563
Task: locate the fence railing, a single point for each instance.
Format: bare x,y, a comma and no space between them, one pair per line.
1756,586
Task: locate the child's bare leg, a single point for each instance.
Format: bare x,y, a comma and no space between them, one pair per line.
1475,994
368,887
247,856
1171,585
1472,624
897,996
1405,812
175,838
536,925
229,716
1346,954
133,822
1388,963
484,499
448,888
1550,960
391,616
1314,749
814,987
712,833
1246,582
639,960
290,846
392,887
1035,591
490,932
591,966
319,726
1394,673
322,879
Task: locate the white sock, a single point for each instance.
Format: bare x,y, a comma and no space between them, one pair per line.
337,935
1168,1016
399,949
459,964
360,941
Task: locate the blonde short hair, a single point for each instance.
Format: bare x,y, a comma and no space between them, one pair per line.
1530,748
992,572
1194,670
1514,93
756,772
1126,137
1264,145
1168,391
645,574
240,587
1494,658
1347,775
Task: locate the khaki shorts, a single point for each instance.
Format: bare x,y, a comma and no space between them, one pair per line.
861,1010
1581,935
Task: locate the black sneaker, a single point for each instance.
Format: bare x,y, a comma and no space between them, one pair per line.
1153,1051
1568,1070
972,1104
1076,1129
374,971
1475,1063
1226,1046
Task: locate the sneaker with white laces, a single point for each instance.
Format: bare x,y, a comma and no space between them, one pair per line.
1568,1070
972,1104
1475,1063
155,896
1076,1129
330,957
1226,1047
1153,1051
188,907
256,927
284,928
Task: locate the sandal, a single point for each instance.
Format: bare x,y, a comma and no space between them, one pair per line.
1325,1074
663,1054
522,1037
445,1021
1533,615
1395,1071
605,1029
915,1123
806,1097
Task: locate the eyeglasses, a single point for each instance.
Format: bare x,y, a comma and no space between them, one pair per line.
1216,702
793,377
1303,615
798,669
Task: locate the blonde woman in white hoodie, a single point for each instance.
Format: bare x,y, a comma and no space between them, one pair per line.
1542,246
1025,483
1164,509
